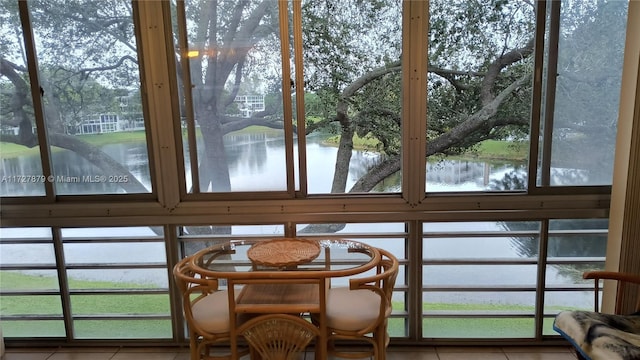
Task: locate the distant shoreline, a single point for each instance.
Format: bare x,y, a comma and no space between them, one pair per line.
487,150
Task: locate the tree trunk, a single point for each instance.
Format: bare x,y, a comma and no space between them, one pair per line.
214,169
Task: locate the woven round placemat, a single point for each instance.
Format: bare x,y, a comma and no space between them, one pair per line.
283,252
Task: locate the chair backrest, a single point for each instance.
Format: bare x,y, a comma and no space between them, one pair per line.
625,281
390,265
278,336
187,279
382,283
193,288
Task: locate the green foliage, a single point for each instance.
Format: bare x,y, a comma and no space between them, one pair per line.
590,57
345,39
336,60
87,57
466,36
377,113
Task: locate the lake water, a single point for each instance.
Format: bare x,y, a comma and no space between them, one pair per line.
250,157
248,163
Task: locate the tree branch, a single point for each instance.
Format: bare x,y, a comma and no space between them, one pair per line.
87,71
513,56
475,122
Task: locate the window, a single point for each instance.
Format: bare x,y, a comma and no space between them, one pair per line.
21,170
486,275
352,95
370,120
481,90
578,133
114,283
481,61
239,121
232,83
80,88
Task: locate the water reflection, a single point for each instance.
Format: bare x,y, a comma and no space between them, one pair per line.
256,163
73,174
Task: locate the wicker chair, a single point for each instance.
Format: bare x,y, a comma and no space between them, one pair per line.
360,312
206,310
278,336
599,336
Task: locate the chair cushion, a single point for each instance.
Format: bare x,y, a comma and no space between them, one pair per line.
351,310
601,336
211,313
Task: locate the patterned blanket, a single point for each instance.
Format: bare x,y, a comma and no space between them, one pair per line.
601,336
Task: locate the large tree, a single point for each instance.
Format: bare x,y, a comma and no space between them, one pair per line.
479,72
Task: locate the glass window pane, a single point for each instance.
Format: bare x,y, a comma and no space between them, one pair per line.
91,94
130,278
120,304
587,92
575,246
24,246
441,303
556,301
352,95
194,238
122,329
33,328
129,232
41,254
236,77
481,248
351,228
115,257
480,275
479,95
478,328
578,238
20,165
547,326
397,327
114,253
27,280
481,240
32,305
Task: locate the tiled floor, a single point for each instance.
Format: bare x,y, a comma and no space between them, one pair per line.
421,353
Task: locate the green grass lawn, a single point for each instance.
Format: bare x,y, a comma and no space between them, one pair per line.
114,138
487,150
500,150
10,150
83,305
159,304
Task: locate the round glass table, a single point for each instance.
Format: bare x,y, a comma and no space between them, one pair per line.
325,257
283,275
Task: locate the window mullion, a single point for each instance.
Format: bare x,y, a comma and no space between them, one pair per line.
188,99
536,101
549,105
283,13
414,89
37,93
300,109
163,107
